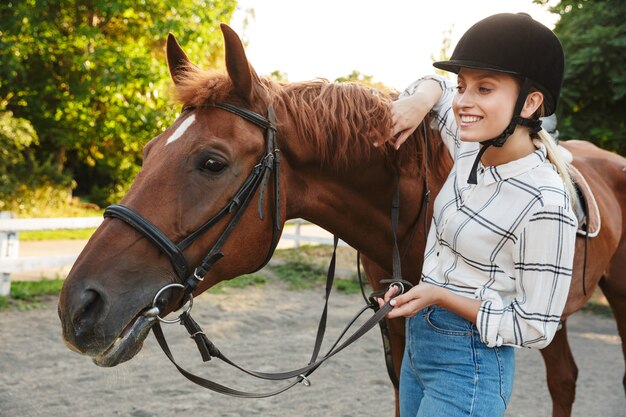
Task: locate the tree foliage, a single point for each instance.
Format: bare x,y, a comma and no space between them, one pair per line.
363,79
593,98
83,86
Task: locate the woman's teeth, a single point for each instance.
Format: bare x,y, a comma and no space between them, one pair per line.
469,119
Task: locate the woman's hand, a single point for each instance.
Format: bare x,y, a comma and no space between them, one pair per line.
413,301
424,295
408,112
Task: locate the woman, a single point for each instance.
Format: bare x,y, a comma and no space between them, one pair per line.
499,254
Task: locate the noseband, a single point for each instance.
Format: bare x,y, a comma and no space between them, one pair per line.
259,176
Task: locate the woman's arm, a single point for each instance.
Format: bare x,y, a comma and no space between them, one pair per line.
433,94
543,257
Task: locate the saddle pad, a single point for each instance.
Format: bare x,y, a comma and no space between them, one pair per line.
591,222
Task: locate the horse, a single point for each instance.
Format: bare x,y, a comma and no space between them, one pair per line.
333,172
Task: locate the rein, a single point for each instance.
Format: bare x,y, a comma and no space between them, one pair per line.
300,375
258,178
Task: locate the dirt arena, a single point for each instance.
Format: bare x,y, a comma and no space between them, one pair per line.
270,329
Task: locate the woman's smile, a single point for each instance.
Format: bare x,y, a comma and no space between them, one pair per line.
468,120
484,102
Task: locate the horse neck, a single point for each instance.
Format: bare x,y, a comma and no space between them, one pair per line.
354,202
334,177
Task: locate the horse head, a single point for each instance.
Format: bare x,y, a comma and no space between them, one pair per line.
198,167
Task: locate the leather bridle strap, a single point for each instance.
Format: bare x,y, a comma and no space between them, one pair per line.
397,260
209,350
258,177
149,230
300,374
269,162
175,251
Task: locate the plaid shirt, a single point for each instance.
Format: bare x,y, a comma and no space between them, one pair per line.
507,241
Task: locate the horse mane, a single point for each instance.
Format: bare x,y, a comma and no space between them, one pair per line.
340,121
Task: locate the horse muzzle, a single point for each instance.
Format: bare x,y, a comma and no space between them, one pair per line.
130,341
94,324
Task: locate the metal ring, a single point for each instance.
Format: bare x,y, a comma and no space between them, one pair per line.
179,318
398,285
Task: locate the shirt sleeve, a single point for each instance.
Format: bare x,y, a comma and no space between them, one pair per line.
443,120
543,258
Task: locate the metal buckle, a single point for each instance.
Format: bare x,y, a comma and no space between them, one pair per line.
195,275
304,380
179,318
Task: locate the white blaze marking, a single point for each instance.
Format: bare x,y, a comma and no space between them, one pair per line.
181,129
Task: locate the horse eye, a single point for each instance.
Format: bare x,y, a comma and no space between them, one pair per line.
214,165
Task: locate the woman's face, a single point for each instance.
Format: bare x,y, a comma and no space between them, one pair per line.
484,103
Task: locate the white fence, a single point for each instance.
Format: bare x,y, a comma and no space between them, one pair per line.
11,262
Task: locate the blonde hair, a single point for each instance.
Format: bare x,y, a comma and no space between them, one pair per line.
552,151
561,165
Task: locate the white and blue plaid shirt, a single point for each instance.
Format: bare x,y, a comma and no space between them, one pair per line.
508,240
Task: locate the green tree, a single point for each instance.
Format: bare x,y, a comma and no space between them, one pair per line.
368,80
90,77
593,98
279,76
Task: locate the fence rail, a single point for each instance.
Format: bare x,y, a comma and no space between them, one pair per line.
12,262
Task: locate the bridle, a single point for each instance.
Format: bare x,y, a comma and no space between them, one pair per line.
258,178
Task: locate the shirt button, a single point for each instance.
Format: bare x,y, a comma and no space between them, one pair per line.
437,253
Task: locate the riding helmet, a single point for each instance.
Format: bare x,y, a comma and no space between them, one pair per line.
515,44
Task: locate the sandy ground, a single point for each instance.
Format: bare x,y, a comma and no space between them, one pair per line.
267,328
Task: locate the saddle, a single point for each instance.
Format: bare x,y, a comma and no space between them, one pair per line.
586,209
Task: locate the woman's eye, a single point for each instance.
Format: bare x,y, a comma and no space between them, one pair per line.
460,88
484,89
214,165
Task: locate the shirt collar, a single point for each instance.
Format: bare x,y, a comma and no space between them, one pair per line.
519,166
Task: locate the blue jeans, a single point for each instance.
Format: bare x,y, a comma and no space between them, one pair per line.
448,372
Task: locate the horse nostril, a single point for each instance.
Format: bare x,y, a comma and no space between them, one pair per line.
88,312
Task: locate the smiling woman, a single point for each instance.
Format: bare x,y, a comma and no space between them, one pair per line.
499,266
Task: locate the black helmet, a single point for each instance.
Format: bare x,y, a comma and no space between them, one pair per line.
515,44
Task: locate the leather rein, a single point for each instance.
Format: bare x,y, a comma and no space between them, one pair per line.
258,178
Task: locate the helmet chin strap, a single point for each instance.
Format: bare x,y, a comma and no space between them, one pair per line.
517,119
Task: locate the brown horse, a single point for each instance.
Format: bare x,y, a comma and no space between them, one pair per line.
330,174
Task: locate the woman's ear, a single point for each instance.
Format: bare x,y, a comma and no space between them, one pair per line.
534,100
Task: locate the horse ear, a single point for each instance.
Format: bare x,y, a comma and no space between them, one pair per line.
239,70
177,60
